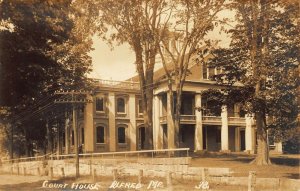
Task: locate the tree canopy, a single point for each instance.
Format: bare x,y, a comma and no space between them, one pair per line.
263,55
44,47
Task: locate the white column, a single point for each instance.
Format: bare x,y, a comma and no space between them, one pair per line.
112,121
198,126
278,147
132,116
224,129
157,133
89,139
249,133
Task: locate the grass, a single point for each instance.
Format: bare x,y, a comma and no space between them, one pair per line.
283,166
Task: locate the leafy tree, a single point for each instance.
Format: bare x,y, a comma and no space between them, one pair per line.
43,48
180,46
140,24
264,56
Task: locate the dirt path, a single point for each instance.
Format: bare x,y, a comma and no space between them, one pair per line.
14,179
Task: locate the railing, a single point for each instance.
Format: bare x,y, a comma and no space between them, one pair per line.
188,118
207,119
27,159
169,152
117,84
236,120
183,118
213,119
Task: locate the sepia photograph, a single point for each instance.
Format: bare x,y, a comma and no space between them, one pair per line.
158,95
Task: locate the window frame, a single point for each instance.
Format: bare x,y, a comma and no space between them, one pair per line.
140,107
103,104
125,135
104,139
125,105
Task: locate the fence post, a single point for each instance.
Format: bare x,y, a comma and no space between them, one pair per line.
51,172
12,170
140,178
18,169
24,171
169,178
251,180
204,173
94,174
91,169
62,172
38,171
115,174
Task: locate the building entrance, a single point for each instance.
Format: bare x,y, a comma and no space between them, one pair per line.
141,138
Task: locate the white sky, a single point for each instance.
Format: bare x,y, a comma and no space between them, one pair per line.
118,64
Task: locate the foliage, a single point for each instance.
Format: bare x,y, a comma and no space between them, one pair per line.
292,141
43,49
138,23
263,56
181,41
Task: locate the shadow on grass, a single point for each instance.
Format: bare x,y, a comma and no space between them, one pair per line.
285,161
23,186
241,160
293,162
292,176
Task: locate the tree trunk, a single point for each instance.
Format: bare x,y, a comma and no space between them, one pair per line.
170,117
146,81
149,100
262,157
177,116
49,138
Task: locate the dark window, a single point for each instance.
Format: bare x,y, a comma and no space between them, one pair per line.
140,107
204,70
82,135
100,134
182,136
218,135
73,137
99,104
187,104
121,135
174,102
121,105
64,138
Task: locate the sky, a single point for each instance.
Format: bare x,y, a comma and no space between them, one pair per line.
118,63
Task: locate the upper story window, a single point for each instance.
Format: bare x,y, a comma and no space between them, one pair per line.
140,107
204,71
211,72
208,71
120,105
100,104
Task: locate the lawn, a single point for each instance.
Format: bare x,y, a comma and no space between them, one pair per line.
283,166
